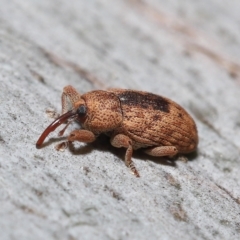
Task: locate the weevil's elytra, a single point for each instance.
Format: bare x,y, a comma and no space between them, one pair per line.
132,120
144,100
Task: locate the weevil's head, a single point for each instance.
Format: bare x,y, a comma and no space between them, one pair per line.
97,111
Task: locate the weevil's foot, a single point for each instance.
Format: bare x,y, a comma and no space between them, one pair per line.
136,173
62,146
134,170
52,113
172,158
183,159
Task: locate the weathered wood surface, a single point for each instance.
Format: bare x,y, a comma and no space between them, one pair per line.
187,51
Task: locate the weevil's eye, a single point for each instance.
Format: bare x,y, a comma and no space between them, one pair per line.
81,111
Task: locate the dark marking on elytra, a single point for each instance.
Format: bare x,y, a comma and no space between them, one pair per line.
180,115
156,118
144,100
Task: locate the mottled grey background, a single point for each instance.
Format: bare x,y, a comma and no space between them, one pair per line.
185,50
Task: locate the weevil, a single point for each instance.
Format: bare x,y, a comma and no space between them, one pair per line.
132,120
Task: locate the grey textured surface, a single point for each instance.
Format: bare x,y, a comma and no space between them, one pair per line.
185,50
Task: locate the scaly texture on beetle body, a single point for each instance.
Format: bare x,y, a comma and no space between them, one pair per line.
133,119
104,111
152,120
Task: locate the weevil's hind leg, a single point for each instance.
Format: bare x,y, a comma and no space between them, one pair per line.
121,140
69,96
76,135
162,151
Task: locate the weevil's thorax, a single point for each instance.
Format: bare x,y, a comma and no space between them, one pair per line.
103,111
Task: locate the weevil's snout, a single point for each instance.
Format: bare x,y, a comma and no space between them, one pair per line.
72,114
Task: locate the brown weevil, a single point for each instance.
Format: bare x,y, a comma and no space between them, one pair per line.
132,120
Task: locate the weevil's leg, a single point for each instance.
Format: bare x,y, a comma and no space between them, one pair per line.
183,159
69,96
77,135
52,114
62,146
161,151
121,140
81,136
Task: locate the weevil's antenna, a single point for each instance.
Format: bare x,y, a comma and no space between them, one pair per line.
57,122
68,123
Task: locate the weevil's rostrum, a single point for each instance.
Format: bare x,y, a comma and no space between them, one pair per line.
132,120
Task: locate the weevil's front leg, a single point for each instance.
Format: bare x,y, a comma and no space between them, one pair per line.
77,135
52,113
121,140
69,96
81,136
162,151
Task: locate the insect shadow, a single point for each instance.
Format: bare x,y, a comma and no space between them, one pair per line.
53,140
103,144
